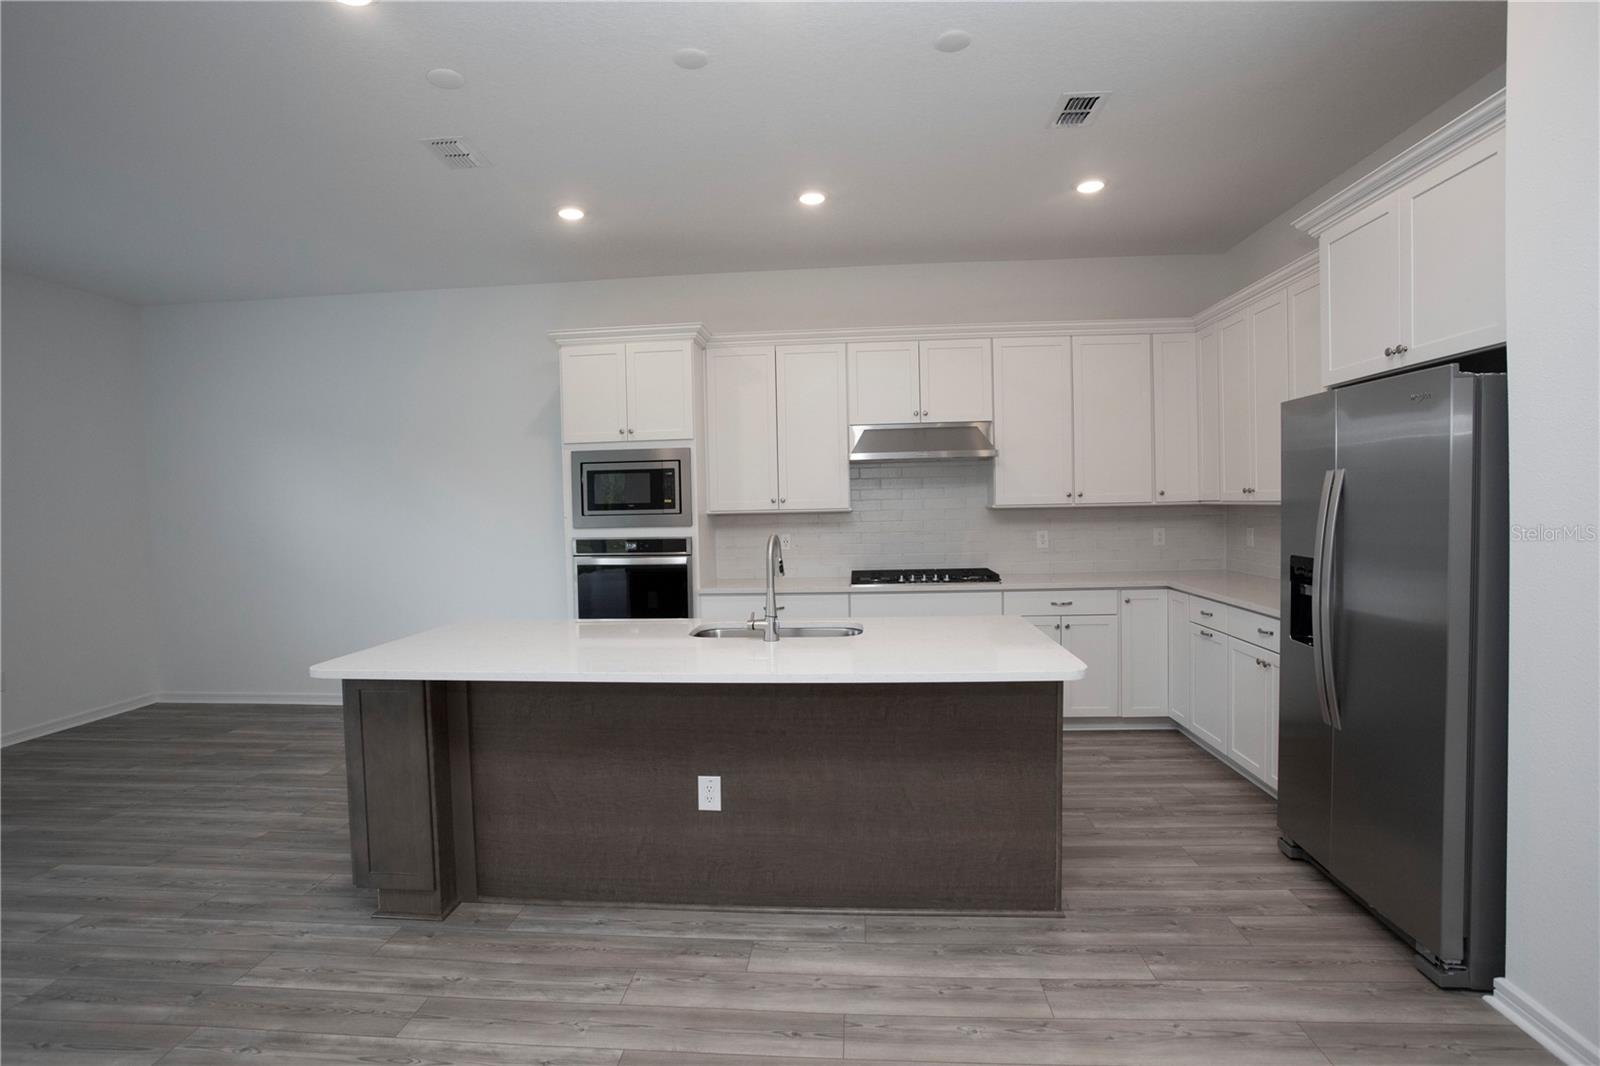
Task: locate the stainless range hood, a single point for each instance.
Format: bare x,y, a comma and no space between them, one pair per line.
909,441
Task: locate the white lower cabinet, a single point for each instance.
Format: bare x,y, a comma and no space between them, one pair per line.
1178,680
1092,638
792,606
1208,695
1253,708
1143,639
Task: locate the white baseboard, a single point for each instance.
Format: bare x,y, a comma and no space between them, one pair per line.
1529,1015
1086,725
93,714
303,699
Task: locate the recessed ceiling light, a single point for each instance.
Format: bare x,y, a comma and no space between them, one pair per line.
570,214
1091,186
690,58
952,40
355,3
445,78
811,197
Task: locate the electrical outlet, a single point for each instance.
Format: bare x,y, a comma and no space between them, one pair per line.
710,793
785,541
1041,539
1249,536
1161,536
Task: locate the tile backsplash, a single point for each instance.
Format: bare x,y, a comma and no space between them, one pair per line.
1261,524
937,514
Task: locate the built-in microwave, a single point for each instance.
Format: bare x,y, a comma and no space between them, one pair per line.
632,487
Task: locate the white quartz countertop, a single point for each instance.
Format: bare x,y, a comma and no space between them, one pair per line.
1249,591
889,650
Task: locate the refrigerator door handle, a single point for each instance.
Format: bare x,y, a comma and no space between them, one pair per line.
1318,570
1323,589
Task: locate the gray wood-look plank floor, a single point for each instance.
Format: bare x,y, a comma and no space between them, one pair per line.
176,891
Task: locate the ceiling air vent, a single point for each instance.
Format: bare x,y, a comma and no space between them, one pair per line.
1078,109
455,153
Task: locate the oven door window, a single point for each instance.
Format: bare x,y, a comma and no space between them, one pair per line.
639,490
634,591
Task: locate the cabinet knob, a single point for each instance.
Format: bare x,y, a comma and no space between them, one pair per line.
1389,352
1401,349
622,432
1161,492
1058,625
1066,625
783,499
1080,494
1128,600
773,500
914,414
924,414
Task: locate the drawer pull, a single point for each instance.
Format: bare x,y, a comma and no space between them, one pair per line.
1207,634
1205,614
1264,632
1061,603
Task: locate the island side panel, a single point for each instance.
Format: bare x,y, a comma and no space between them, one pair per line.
397,769
938,796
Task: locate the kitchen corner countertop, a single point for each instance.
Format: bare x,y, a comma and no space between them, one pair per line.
1249,591
889,650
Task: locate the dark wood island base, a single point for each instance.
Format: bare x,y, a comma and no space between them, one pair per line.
895,796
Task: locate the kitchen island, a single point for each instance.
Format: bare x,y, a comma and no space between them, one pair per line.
915,766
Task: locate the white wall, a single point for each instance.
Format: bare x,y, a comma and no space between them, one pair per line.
79,616
332,472
1552,264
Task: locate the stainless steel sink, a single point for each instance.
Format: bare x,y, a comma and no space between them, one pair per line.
723,631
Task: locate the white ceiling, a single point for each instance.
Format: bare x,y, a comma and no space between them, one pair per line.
199,151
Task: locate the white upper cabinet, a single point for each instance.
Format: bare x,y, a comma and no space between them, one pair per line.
1269,387
741,454
660,390
1208,395
1361,289
813,446
1305,336
1413,254
1143,634
1177,409
957,381
885,382
1112,440
1032,422
631,391
1238,419
1453,254
775,429
594,393
930,381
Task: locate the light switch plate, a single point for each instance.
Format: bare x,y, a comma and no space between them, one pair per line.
1041,539
710,793
1161,536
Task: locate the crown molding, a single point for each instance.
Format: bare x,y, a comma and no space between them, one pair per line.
1305,266
970,331
672,331
1478,121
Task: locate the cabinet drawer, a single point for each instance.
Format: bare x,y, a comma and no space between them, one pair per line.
737,606
921,604
1208,613
1062,601
1256,628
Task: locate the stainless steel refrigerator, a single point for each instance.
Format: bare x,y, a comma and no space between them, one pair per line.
1392,703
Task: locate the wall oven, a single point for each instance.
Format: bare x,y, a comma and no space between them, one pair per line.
626,578
633,487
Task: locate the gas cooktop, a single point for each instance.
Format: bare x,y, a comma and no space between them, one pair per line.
939,575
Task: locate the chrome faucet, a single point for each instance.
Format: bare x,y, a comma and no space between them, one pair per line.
774,568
